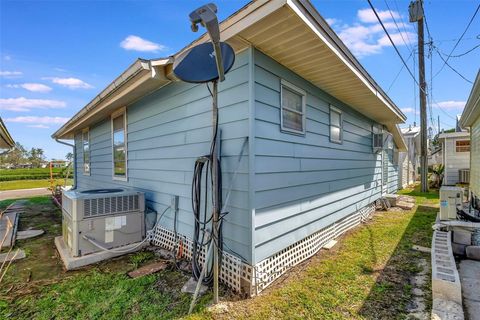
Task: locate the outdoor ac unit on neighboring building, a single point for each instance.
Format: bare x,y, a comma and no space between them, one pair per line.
450,199
464,175
106,218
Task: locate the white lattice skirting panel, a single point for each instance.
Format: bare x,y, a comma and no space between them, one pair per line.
246,279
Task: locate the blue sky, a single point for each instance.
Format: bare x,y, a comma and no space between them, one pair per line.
55,56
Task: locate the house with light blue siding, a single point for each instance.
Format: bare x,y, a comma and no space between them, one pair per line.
297,113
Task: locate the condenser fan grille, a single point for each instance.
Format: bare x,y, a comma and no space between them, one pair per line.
110,205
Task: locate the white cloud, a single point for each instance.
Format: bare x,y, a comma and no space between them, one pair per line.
367,37
450,104
136,43
409,110
7,58
331,21
34,87
11,74
368,16
71,83
39,126
23,104
37,121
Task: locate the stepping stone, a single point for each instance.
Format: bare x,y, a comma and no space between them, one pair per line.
330,244
405,205
12,256
191,285
27,234
148,269
422,249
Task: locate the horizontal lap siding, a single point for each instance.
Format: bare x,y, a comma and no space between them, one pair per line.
167,131
475,158
304,183
455,161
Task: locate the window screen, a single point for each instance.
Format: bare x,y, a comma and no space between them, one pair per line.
119,146
86,151
462,146
293,109
335,125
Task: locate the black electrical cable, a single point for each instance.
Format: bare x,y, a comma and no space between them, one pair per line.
204,225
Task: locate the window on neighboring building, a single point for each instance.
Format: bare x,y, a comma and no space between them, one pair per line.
119,145
462,146
336,131
292,108
86,151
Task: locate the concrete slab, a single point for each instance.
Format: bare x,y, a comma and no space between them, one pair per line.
462,237
458,249
8,228
405,205
469,269
330,244
191,285
72,263
446,310
421,249
27,234
12,256
148,269
473,252
472,309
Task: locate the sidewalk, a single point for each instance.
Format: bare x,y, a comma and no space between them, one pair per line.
23,193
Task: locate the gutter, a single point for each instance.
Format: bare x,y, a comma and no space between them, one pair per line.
137,67
74,161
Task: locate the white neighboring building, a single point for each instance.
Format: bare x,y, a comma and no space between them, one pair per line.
456,156
409,161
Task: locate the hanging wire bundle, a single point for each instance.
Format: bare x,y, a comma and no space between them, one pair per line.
203,225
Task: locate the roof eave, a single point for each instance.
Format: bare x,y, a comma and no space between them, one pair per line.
471,112
141,69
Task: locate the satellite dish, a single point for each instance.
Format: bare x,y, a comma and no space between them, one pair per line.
198,65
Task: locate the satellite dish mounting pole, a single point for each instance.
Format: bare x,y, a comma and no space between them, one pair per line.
207,17
216,193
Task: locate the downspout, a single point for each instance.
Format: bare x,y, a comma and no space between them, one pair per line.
74,161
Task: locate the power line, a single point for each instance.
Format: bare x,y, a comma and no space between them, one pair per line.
393,44
403,23
396,25
458,41
399,72
463,54
452,68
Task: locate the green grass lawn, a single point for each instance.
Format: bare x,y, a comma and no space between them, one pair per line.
365,276
28,184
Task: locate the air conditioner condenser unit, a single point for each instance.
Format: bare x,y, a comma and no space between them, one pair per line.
102,219
450,199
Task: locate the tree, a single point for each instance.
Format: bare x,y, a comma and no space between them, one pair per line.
15,157
36,157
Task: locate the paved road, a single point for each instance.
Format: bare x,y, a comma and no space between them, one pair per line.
23,193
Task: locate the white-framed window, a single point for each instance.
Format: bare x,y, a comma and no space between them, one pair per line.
86,151
292,106
119,144
336,127
462,146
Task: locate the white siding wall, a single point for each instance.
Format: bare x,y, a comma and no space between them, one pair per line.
475,158
454,161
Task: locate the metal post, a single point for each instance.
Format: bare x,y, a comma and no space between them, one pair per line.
215,207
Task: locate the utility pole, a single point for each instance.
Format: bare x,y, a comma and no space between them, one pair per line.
416,15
